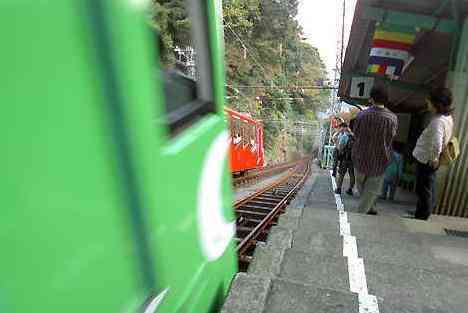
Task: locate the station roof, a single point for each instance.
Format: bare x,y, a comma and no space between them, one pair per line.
438,24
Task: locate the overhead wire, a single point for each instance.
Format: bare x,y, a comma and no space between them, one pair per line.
254,57
245,47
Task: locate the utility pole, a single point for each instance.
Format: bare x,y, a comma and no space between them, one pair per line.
340,52
302,139
342,35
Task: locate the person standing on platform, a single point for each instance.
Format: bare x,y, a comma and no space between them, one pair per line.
393,174
344,148
374,130
429,148
335,139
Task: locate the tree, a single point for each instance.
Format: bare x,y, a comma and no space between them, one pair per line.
170,19
264,47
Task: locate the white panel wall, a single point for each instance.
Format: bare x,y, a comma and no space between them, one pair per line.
453,182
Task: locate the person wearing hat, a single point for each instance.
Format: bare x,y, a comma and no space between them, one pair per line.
345,162
343,127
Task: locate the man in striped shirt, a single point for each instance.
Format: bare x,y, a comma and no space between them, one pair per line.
374,129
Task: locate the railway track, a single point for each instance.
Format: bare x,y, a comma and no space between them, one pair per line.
257,213
266,172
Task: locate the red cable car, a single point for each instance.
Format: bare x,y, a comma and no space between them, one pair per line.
245,142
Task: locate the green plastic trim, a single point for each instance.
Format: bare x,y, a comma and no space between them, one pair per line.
409,19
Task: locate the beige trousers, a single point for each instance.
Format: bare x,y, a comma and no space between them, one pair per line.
369,188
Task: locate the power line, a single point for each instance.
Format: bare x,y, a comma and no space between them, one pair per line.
342,34
242,95
254,57
271,98
245,46
283,87
335,104
249,51
287,98
305,123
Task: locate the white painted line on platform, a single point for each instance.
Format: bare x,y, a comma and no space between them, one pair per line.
339,203
333,182
345,229
357,275
350,246
343,216
368,303
356,271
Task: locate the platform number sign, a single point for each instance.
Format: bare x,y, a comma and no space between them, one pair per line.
361,87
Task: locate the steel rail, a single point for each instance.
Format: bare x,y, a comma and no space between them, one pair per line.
250,239
262,191
263,173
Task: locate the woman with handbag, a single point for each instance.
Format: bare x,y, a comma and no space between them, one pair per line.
435,137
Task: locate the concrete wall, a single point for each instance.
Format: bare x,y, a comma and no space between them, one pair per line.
453,181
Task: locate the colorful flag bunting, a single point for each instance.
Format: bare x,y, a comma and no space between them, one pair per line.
390,49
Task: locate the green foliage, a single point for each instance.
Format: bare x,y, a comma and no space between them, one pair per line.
264,47
169,18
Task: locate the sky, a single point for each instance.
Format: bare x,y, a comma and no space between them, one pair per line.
321,20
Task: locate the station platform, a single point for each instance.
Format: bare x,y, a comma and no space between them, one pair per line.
324,257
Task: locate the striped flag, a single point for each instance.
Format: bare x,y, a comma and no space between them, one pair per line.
390,49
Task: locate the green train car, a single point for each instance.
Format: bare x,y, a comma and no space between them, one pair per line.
115,189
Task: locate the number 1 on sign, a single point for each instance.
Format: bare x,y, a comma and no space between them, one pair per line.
361,87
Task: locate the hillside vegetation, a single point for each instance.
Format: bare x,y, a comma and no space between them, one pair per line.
266,49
